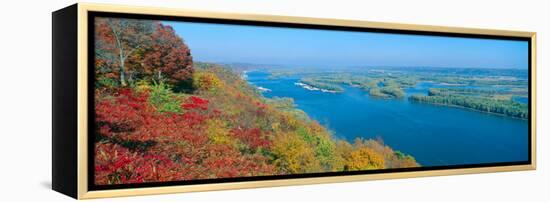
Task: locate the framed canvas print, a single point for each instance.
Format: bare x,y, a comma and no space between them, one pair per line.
155,100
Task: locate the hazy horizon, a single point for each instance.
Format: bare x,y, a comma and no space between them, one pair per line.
275,65
328,48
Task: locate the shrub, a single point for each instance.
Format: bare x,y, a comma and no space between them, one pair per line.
107,82
252,138
142,86
224,161
195,102
218,133
163,99
117,165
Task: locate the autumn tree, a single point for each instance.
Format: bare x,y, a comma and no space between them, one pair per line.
294,155
206,81
365,159
142,49
168,58
116,39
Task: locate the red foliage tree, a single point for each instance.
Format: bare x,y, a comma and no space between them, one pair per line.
134,49
117,39
168,58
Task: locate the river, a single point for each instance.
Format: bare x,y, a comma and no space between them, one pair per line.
434,135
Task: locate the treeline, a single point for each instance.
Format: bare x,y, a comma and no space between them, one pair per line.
387,92
388,88
477,91
377,85
483,104
322,85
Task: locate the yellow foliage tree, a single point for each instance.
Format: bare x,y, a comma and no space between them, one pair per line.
365,158
206,81
294,155
289,121
343,150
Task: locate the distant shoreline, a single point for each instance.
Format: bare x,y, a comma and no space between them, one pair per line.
313,88
471,109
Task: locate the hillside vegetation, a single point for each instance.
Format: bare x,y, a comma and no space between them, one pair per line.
159,116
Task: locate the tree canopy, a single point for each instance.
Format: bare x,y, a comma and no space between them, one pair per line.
128,50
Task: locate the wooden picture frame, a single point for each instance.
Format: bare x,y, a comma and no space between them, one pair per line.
75,126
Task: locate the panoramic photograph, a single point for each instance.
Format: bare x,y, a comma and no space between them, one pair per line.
181,101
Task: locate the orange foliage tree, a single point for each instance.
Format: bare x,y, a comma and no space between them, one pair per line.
141,49
117,39
168,58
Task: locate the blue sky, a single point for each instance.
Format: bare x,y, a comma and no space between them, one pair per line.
291,46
